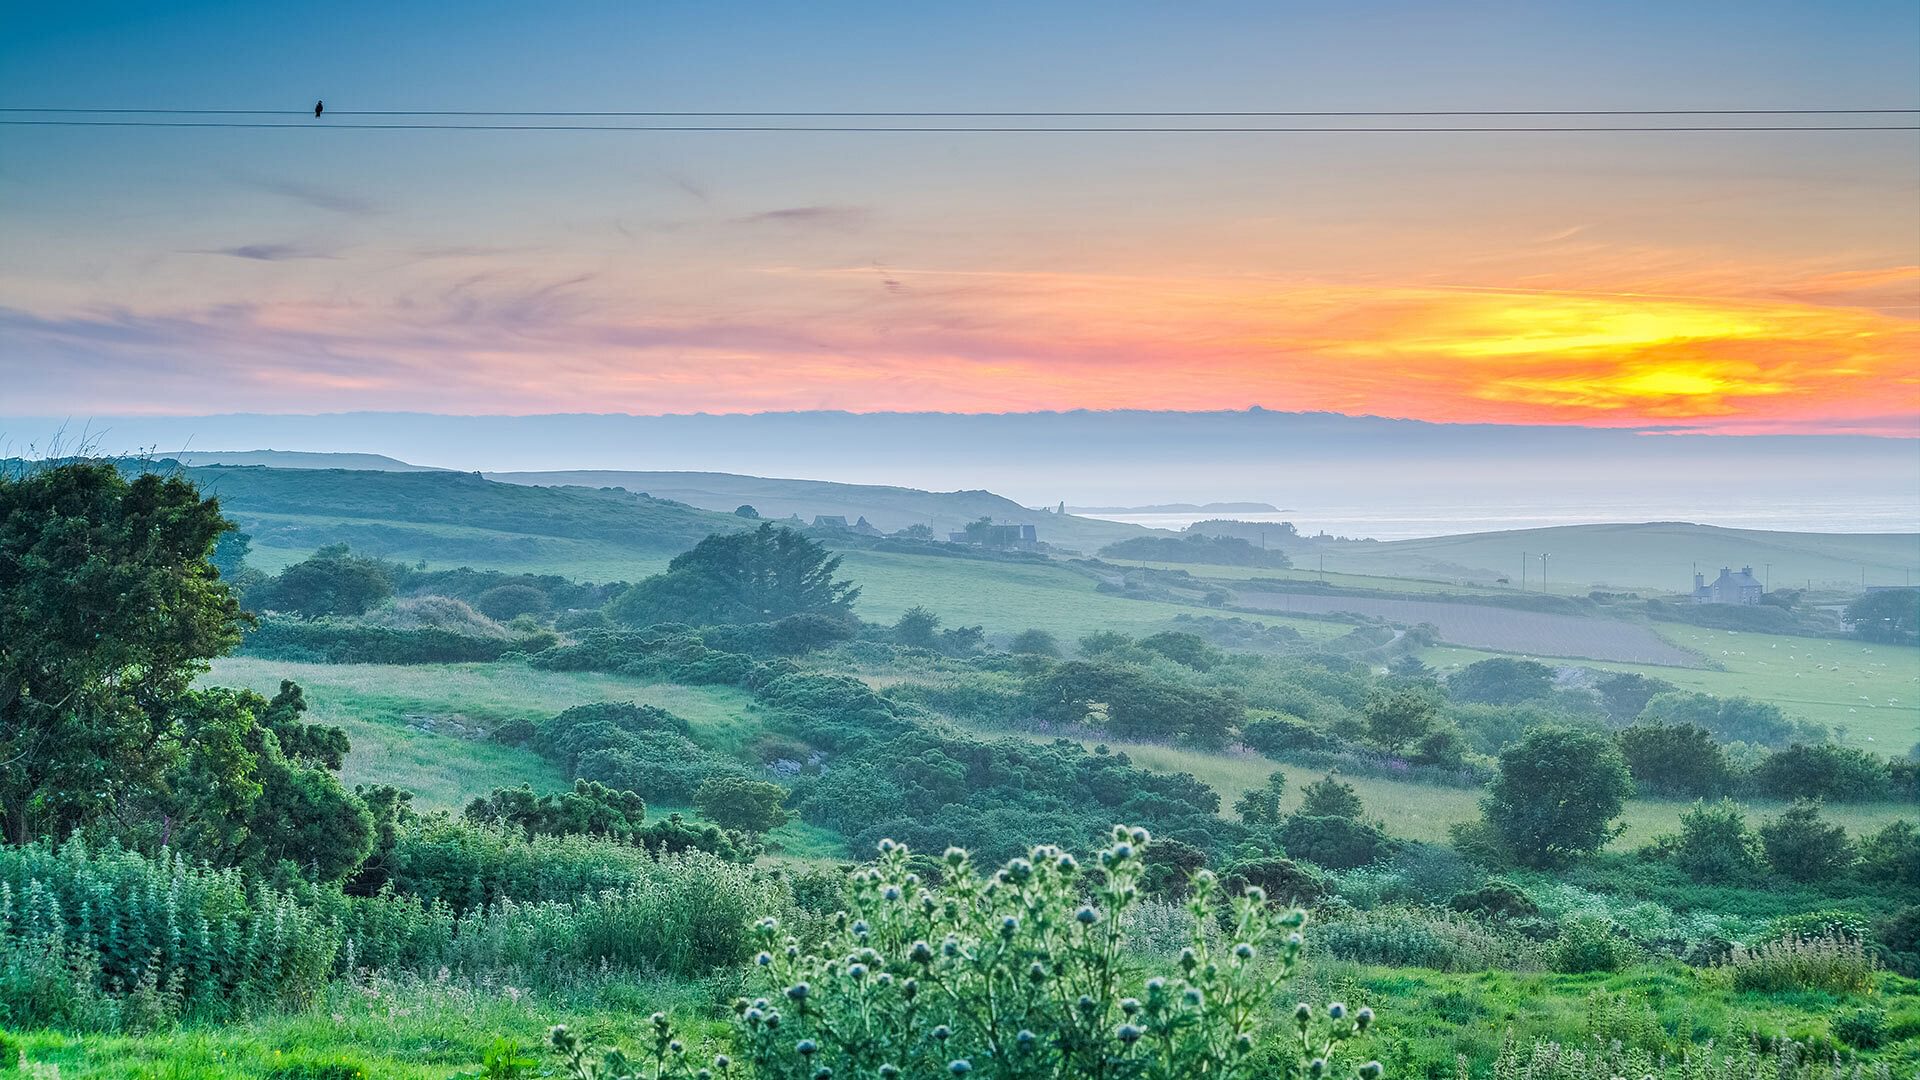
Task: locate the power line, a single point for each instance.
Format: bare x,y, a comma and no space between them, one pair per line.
320,125
1202,113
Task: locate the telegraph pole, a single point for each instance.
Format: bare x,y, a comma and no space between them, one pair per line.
1543,571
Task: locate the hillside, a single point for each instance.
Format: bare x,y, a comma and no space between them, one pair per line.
299,459
1658,556
886,508
446,515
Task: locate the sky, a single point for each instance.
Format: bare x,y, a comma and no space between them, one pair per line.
1736,283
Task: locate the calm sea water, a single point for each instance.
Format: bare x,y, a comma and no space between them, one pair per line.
1406,521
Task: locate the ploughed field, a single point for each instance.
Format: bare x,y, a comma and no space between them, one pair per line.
1499,629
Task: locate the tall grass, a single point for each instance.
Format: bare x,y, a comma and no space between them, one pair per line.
1600,1060
113,940
1830,961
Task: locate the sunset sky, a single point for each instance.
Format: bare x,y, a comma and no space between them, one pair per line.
1735,283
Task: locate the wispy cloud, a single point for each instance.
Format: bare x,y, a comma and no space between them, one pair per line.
268,252
841,218
317,196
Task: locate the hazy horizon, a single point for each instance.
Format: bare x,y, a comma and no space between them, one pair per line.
1357,476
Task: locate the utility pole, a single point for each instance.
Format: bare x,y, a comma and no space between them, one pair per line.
1767,584
1543,571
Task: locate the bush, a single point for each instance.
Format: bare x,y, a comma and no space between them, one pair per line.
1557,795
1337,843
1862,1028
329,641
1017,974
1801,846
1892,855
1496,899
739,802
1715,844
1591,943
504,603
1675,759
1327,797
1827,772
1284,880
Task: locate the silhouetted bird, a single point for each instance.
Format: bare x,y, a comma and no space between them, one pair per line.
318,108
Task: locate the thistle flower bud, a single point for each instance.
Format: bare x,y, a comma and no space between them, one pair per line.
1371,1071
1129,1034
1337,1010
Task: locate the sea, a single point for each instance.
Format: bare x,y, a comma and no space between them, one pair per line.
1399,519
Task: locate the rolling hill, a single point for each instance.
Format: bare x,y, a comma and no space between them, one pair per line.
886,508
1659,556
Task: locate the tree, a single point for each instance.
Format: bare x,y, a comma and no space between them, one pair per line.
1103,642
736,802
1336,843
1501,680
1675,759
1035,643
1327,797
590,809
1625,694
916,532
1889,615
917,627
1184,648
1892,855
109,608
1715,844
1261,805
504,603
1556,795
1734,719
1801,846
1132,703
745,510
1409,668
230,553
1397,717
332,581
757,576
1824,771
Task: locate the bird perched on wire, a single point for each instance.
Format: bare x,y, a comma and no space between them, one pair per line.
318,108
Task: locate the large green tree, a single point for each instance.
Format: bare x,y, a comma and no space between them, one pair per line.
109,608
1890,615
1556,795
757,576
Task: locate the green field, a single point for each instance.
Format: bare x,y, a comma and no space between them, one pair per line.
1007,597
1871,693
1427,811
1659,556
424,726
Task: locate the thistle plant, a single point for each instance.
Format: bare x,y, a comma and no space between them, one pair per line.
1021,973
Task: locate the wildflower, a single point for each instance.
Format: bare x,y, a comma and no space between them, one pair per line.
1371,1071
1337,1010
959,1067
1129,1034
806,1047
1362,1019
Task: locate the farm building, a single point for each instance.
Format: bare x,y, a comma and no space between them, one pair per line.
1728,588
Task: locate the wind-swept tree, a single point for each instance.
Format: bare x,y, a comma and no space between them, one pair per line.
757,576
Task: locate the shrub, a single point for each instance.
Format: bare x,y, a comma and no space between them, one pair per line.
504,603
1715,844
1327,797
738,802
1021,973
1337,843
436,613
1675,759
1591,943
1284,880
1803,847
1496,899
1501,681
1892,855
1826,771
1863,1028
1831,962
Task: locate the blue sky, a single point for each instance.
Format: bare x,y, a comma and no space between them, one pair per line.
188,271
